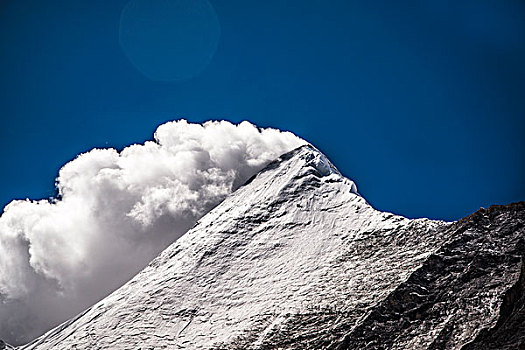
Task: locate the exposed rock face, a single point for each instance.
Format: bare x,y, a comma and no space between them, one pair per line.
297,259
510,328
5,346
468,294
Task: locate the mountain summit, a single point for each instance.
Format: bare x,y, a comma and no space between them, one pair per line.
297,259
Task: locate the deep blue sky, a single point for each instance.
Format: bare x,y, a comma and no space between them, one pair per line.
422,103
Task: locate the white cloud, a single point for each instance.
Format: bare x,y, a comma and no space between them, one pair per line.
117,211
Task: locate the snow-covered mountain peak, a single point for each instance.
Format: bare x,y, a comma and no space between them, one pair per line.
315,159
308,162
296,259
294,239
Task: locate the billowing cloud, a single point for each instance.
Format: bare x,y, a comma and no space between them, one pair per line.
115,212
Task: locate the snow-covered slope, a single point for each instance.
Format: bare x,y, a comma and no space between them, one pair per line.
295,258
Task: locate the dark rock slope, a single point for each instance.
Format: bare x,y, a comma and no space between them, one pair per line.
455,290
